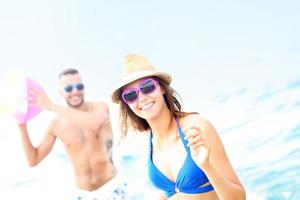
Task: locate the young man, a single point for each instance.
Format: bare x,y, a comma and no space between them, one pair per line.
86,133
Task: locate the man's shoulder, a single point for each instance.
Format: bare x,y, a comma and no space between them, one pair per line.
98,106
97,103
55,123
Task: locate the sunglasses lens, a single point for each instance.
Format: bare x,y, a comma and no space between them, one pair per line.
80,86
69,88
148,86
130,96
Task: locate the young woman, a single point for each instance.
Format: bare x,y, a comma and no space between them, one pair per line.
187,160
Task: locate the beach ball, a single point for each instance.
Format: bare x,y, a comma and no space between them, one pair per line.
14,96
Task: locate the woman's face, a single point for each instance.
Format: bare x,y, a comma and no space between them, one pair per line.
144,97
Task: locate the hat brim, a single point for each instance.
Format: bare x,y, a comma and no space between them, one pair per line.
135,76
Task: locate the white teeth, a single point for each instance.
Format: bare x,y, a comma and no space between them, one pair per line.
75,98
147,106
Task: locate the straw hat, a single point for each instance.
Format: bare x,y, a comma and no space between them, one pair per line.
137,67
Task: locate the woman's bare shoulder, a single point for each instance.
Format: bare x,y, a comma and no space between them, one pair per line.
194,119
199,121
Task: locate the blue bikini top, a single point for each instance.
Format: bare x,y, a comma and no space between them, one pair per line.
189,179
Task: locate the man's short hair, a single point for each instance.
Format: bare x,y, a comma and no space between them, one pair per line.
68,71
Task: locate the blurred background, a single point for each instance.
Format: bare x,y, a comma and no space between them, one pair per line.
237,63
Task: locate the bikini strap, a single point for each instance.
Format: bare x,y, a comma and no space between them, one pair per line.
150,145
181,134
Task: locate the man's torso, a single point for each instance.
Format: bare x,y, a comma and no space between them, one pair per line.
89,151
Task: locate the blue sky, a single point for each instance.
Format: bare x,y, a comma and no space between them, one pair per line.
214,50
223,42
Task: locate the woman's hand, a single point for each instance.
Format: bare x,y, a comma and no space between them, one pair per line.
200,149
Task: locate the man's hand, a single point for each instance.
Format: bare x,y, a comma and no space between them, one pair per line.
39,99
22,126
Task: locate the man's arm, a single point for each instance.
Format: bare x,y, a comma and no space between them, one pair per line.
36,154
90,120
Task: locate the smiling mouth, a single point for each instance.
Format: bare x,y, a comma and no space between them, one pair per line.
147,106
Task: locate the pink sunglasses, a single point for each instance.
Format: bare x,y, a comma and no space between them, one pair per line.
130,95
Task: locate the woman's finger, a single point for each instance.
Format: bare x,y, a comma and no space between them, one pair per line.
191,131
194,146
195,140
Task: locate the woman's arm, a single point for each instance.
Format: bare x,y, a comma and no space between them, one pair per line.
209,154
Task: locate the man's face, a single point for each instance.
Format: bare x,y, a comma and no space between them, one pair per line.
72,89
